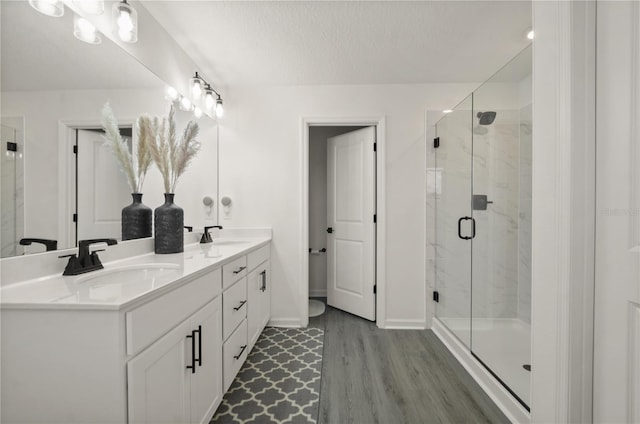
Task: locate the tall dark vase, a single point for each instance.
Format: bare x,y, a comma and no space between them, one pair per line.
169,223
136,219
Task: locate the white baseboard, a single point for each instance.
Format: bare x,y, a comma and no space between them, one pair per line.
498,394
285,322
318,293
404,324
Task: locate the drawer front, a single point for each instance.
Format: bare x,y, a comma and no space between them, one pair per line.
258,256
234,352
234,307
150,321
233,271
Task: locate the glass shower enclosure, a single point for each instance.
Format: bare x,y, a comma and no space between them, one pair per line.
483,224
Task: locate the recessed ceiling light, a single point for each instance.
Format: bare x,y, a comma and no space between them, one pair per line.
529,34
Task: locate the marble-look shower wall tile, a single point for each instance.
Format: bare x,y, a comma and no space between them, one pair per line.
495,262
524,217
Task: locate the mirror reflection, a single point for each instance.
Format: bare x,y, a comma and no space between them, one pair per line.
53,89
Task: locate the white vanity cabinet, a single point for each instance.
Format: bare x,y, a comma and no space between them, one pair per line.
247,308
258,293
178,379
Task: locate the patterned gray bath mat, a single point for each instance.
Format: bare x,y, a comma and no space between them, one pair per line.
279,382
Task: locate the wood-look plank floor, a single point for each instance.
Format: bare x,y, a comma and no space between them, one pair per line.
394,376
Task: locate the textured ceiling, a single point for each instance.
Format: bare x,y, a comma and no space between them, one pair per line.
346,42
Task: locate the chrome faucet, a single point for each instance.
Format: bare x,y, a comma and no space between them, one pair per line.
206,237
85,261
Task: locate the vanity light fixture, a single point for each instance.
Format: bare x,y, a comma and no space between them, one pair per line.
172,94
219,108
209,100
92,7
196,86
212,105
185,104
53,8
125,20
197,112
85,31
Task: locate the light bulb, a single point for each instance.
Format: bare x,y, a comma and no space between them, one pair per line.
196,87
530,34
92,7
447,111
219,108
53,8
172,93
85,31
126,22
209,101
185,104
197,112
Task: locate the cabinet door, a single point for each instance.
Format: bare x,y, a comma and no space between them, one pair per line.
259,300
158,382
206,383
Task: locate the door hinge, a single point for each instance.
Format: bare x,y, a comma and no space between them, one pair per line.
375,218
436,142
375,147
75,217
75,149
375,288
436,296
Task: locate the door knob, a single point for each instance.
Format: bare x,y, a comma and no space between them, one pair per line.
329,230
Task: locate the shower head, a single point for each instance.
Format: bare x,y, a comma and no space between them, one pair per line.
486,118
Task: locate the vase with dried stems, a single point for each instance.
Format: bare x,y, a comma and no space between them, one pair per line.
136,217
171,155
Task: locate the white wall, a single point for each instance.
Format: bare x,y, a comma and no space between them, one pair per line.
43,110
261,170
318,204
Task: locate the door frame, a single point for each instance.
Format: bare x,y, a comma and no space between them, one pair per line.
563,227
67,172
380,259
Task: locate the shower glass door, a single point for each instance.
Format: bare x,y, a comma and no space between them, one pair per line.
453,260
501,209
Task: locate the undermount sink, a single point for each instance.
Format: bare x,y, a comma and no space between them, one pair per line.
130,273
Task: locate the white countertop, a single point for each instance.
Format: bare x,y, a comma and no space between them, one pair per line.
96,290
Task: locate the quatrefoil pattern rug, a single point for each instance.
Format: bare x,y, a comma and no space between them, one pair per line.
280,380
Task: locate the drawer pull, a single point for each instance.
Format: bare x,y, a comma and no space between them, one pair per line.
239,270
237,308
199,360
236,357
192,367
264,280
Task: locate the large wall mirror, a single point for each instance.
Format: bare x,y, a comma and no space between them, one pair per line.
53,87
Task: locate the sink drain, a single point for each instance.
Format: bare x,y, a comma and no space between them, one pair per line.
527,367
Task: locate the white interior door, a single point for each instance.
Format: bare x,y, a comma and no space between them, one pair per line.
350,216
102,189
617,286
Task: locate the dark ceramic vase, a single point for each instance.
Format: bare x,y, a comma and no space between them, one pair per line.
169,223
136,219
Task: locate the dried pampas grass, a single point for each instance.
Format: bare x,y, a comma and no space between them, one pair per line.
172,156
135,171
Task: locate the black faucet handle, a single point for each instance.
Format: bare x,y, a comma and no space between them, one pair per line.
189,228
213,226
48,243
68,256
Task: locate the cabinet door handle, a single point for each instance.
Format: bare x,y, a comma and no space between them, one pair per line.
264,280
236,357
199,331
239,270
192,367
237,308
